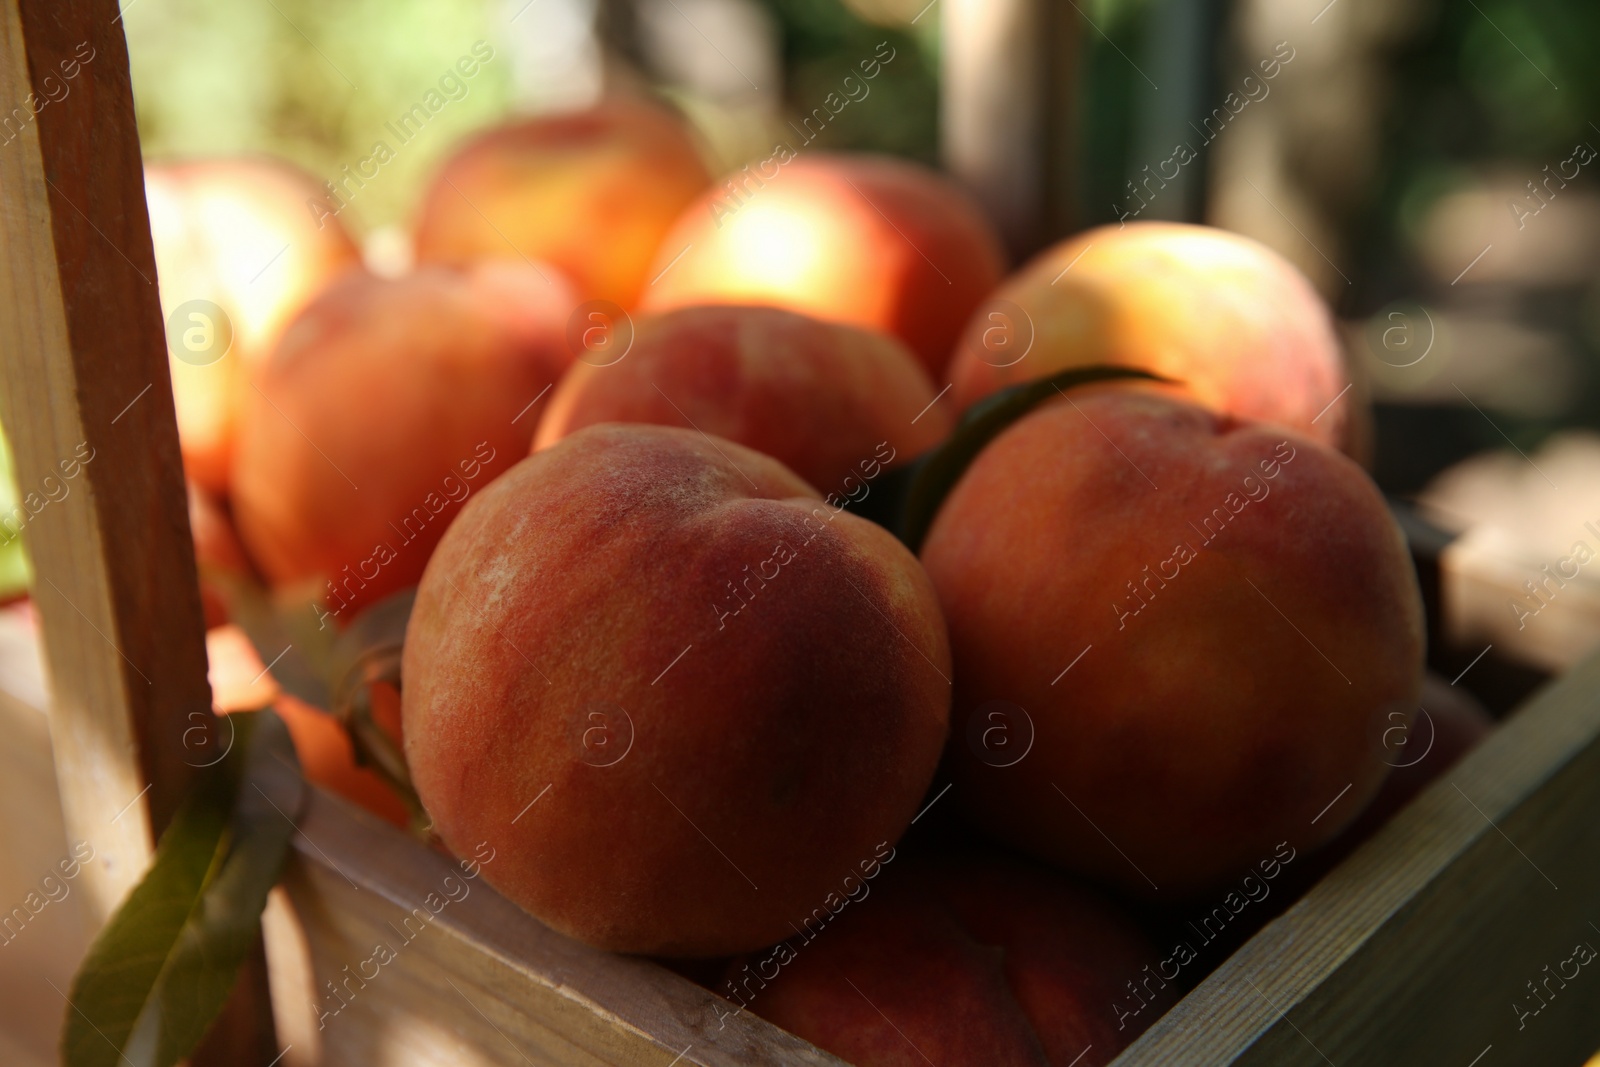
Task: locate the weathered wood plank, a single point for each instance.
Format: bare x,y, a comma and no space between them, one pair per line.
481,982
88,408
1419,947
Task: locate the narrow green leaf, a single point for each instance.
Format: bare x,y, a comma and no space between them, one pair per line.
938,472
161,970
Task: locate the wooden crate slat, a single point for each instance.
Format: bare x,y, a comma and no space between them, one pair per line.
519,989
84,353
1415,948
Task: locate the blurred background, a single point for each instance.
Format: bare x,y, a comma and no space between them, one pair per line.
1431,166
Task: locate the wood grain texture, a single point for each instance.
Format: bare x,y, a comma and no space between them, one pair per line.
1417,949
480,983
84,353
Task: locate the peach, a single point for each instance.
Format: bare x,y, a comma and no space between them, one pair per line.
592,192
874,242
674,690
1172,632
971,958
387,404
1234,323
825,400
236,234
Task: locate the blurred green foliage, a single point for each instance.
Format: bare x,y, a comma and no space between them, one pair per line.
1484,83
312,82
822,41
315,83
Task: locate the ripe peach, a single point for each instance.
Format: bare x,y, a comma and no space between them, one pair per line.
823,399
592,192
1192,621
1234,323
387,404
971,958
673,689
874,242
236,233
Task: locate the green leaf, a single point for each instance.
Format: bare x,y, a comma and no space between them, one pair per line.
938,472
161,970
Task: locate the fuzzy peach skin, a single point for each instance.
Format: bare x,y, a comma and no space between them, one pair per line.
823,399
874,242
697,778
1200,618
971,958
592,192
1235,323
236,232
387,404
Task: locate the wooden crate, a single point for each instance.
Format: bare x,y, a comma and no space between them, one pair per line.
1412,951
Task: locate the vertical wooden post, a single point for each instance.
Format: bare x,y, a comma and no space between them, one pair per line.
1008,118
88,407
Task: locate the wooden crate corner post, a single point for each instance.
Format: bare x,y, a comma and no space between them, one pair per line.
87,406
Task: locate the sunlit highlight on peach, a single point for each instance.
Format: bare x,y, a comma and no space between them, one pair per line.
774,248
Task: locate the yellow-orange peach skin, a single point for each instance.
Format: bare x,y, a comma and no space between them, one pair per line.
387,404
236,233
592,192
874,242
1237,325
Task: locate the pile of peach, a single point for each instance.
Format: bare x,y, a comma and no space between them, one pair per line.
618,426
